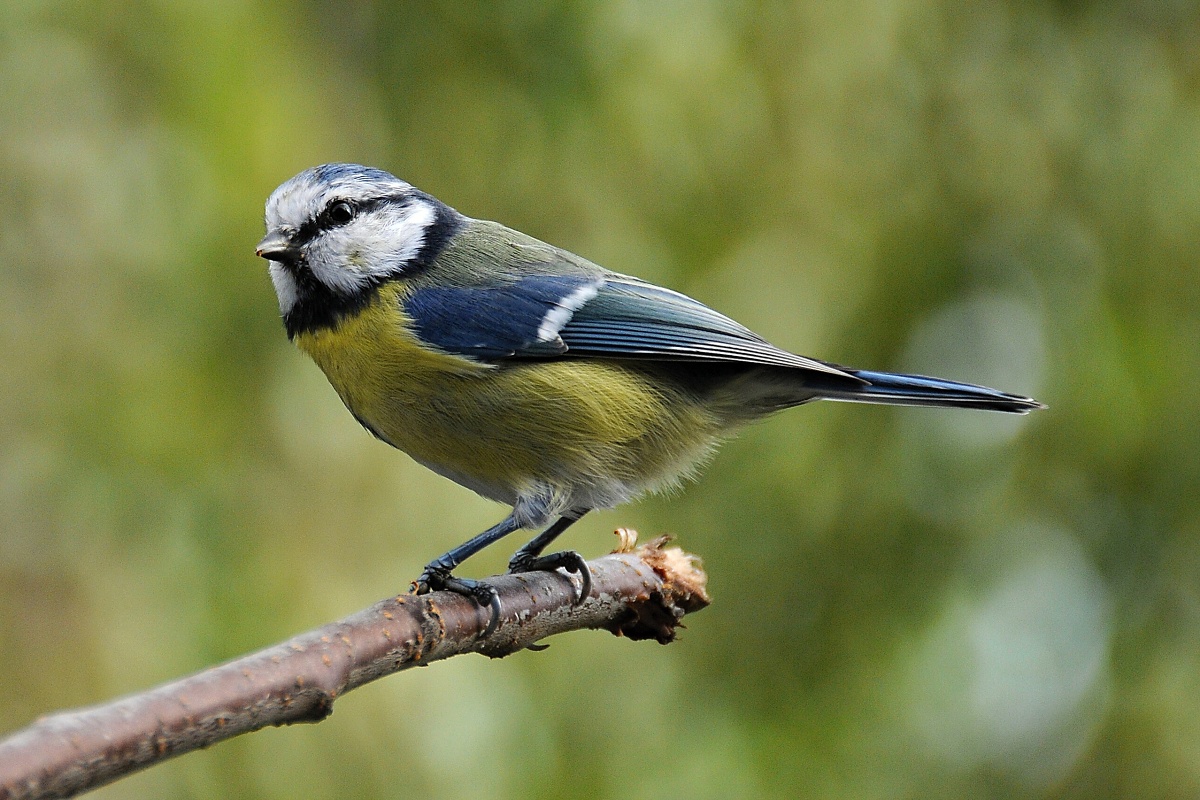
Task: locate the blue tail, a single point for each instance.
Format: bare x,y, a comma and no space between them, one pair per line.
917,390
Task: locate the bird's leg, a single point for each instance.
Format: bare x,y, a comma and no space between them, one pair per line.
437,572
529,558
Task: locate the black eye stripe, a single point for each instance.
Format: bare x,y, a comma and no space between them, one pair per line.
324,219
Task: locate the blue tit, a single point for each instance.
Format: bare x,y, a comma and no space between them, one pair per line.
522,371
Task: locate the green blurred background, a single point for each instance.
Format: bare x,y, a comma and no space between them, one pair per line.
909,603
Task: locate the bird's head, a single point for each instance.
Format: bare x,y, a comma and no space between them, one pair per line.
337,231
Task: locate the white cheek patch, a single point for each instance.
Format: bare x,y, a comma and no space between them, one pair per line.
376,245
386,241
561,314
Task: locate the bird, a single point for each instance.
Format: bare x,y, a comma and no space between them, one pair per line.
524,372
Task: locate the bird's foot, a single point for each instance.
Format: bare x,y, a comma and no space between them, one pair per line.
569,560
437,577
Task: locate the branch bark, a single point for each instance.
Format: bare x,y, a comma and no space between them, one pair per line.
639,594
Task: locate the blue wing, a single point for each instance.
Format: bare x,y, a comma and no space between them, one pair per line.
610,317
494,322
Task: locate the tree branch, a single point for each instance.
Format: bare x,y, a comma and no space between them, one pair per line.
639,594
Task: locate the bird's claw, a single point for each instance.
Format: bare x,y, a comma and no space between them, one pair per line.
435,579
569,560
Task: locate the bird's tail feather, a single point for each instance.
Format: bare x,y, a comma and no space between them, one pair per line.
918,390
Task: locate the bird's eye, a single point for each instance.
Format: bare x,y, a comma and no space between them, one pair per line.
340,212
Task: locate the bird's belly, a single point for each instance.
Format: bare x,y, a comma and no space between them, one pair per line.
593,432
590,431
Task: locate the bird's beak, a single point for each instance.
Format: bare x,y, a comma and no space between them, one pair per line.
275,246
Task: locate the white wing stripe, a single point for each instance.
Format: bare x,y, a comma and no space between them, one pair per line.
562,312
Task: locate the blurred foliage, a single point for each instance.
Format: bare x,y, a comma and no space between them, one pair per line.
909,603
